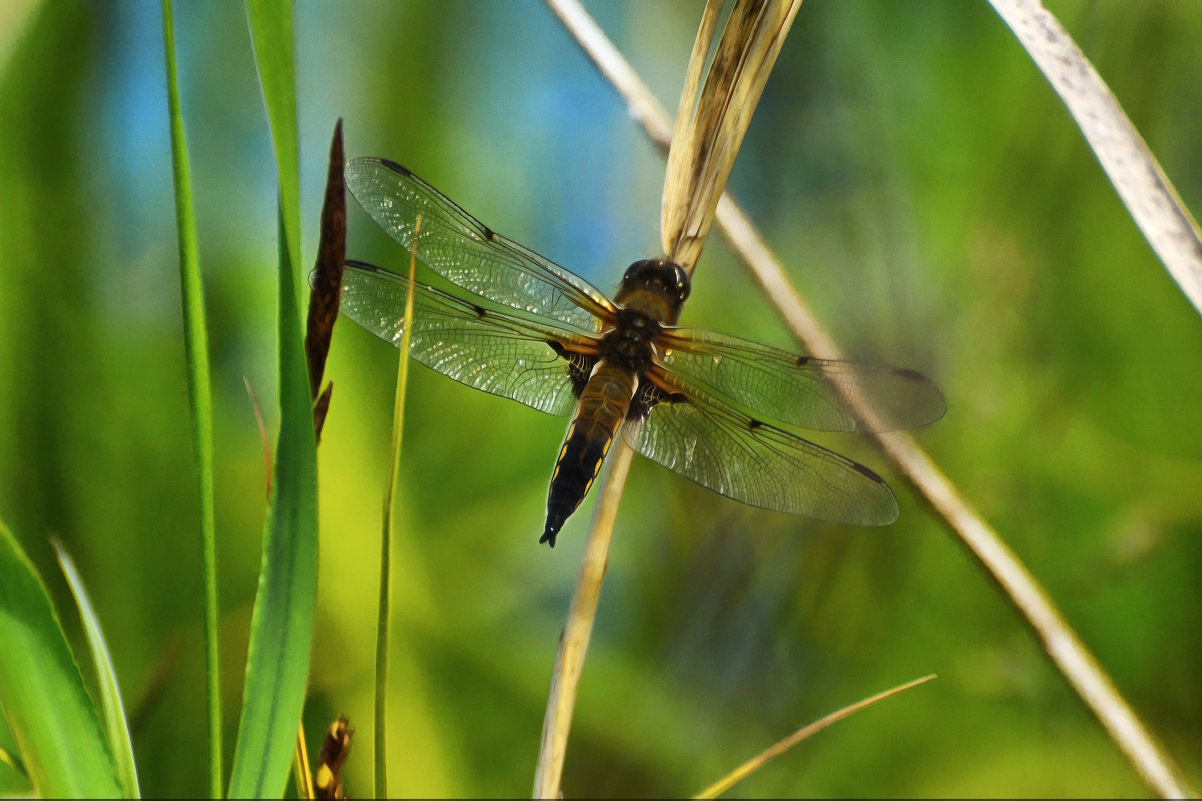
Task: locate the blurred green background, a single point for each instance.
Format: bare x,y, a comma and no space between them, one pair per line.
929,195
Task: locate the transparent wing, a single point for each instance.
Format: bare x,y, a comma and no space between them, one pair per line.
468,253
819,394
484,348
735,455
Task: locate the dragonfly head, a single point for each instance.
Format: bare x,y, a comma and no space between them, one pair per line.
655,287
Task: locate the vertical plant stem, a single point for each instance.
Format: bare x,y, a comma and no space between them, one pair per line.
573,644
1068,653
384,608
303,774
200,398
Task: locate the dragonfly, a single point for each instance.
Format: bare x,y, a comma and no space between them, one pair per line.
719,410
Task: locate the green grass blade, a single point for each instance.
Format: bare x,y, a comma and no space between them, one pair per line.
384,607
271,33
196,348
52,718
281,632
282,623
115,723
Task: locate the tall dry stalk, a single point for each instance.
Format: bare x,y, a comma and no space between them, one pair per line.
1067,652
696,175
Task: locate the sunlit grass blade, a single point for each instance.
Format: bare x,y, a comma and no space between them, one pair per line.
115,723
281,636
384,607
200,398
271,34
49,711
767,755
302,774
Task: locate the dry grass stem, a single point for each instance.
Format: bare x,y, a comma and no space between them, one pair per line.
708,139
695,179
264,439
772,752
573,643
1136,175
672,214
1069,655
643,106
688,95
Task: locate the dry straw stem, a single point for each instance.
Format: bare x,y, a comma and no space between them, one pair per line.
569,662
767,755
1069,655
1136,175
710,128
696,174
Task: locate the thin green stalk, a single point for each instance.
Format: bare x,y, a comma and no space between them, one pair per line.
384,609
200,398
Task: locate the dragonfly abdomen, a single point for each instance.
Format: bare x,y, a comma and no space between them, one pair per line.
599,412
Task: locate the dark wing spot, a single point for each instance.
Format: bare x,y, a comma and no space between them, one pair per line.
913,375
864,471
480,311
392,165
803,360
753,424
489,233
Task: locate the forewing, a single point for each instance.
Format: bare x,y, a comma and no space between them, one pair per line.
740,457
819,394
468,253
487,349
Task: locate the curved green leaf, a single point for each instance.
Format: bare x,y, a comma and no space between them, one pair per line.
115,723
52,718
281,634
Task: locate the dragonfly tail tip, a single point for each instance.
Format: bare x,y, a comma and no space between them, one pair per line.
550,532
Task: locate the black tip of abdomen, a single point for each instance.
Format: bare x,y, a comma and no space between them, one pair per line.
554,522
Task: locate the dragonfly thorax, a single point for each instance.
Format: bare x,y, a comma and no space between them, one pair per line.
629,343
